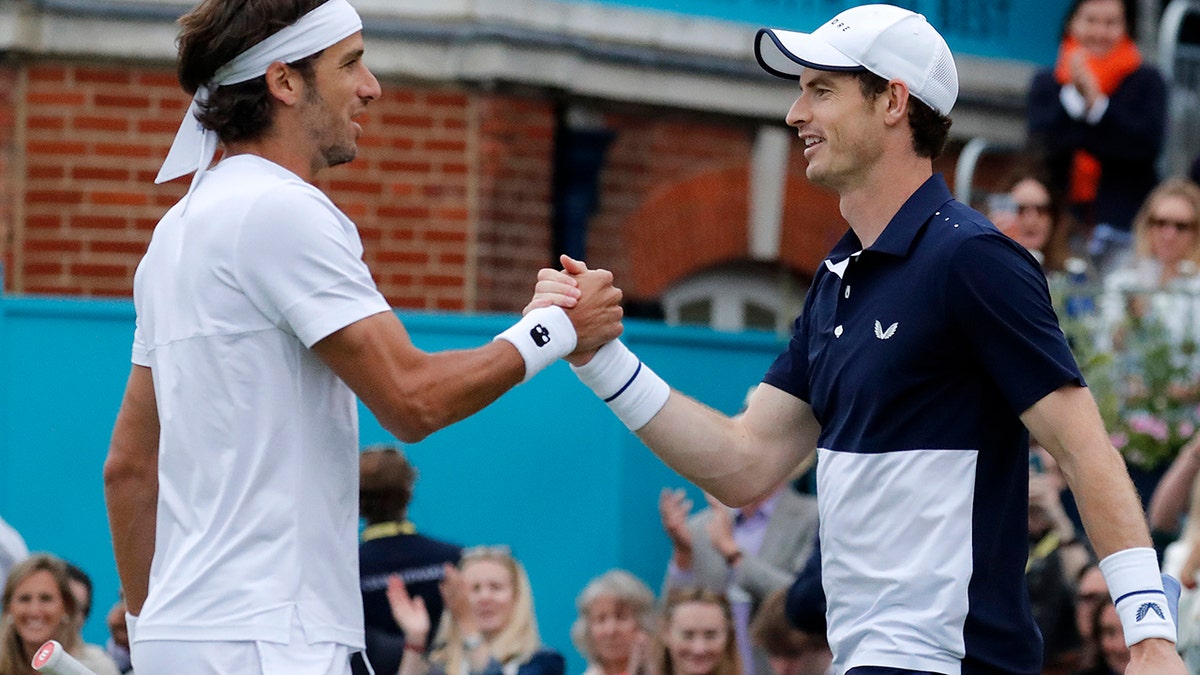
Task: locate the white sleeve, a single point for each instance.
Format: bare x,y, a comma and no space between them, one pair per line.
300,261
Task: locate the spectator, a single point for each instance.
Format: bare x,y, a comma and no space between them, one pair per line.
695,635
490,627
1091,594
616,619
392,545
118,641
12,549
1032,214
1172,495
1113,654
745,553
1056,556
791,651
1098,119
37,606
1160,283
92,656
1182,560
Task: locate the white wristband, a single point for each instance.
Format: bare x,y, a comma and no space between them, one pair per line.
542,336
1135,585
633,391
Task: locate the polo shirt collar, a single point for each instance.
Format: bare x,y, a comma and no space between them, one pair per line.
897,238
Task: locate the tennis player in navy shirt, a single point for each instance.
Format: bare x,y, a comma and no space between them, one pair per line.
926,349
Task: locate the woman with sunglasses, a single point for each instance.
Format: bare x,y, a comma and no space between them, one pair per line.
1160,283
1032,214
489,626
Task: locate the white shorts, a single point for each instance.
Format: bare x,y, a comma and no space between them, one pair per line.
185,657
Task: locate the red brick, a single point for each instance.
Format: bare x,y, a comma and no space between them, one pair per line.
158,126
49,73
91,221
139,102
89,123
124,150
157,78
441,280
56,197
413,257
122,198
45,122
100,173
98,270
102,76
53,246
130,247
57,98
55,147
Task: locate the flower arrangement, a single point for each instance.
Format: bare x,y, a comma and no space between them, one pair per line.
1147,384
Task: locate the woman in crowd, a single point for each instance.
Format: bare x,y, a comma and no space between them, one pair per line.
1098,118
1033,216
616,619
695,635
489,626
38,606
1161,281
1112,655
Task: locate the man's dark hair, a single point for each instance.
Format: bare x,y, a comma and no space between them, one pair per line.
76,573
213,34
929,128
385,485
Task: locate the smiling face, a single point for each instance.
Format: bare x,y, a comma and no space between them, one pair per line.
696,636
492,594
837,123
335,97
613,628
1172,229
37,609
1098,25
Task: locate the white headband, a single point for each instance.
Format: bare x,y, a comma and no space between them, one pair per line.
194,145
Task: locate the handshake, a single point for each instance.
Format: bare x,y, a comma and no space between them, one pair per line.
575,314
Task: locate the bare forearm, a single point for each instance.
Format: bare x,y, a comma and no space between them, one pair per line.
734,459
1170,498
131,486
132,505
1108,503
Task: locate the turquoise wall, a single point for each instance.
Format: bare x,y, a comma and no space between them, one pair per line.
1023,30
547,469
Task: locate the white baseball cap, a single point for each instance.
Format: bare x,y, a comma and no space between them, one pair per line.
892,42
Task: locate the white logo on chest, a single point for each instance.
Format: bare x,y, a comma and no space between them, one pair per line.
885,334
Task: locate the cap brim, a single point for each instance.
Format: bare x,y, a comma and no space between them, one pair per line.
786,54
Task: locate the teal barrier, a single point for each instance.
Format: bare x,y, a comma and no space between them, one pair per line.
1022,30
547,469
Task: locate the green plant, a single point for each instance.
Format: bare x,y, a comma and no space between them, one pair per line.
1146,386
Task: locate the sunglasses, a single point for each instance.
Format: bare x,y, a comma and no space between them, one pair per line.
1040,209
1179,225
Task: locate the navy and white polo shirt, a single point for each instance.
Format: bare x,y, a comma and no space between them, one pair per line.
918,355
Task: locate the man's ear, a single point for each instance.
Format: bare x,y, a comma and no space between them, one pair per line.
896,98
284,83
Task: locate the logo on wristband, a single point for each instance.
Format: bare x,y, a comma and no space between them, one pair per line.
540,335
1148,607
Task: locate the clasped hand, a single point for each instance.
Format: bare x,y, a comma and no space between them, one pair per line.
590,300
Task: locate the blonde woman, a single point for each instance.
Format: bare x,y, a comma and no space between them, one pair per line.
489,626
38,606
695,635
616,619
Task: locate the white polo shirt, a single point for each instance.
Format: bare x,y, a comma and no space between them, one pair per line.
258,453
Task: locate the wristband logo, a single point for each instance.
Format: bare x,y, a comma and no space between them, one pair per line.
1148,607
540,335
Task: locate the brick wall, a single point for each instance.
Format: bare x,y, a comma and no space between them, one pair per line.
648,243
451,189
9,77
